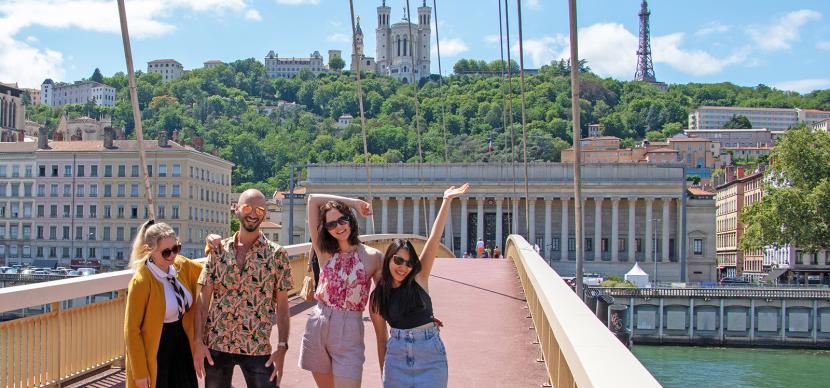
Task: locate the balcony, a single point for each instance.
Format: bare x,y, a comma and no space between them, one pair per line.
487,307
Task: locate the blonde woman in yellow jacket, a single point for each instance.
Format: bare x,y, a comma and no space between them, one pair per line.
158,327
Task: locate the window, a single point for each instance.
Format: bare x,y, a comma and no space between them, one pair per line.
39,232
79,211
41,211
93,211
177,170
105,233
27,210
107,190
81,170
132,232
28,171
3,171
555,245
571,245
108,170
79,190
162,190
91,253
176,191
65,234
604,245
92,232
120,211
66,211
54,170
67,170
53,232
2,189
15,171
107,211
2,210
65,253
27,232
698,246
121,188
15,189
53,211
41,190
119,233
134,212
67,190
93,190
134,170
13,231
134,190
639,243
41,171
160,212
15,210
589,244
122,170
93,171
79,253
175,214
79,233
149,170
162,170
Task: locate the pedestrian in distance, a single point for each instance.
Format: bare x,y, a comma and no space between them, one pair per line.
332,346
244,285
158,321
411,353
480,248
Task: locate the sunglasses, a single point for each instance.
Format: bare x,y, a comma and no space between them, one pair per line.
165,253
247,209
340,221
401,261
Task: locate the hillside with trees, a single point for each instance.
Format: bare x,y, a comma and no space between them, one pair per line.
242,114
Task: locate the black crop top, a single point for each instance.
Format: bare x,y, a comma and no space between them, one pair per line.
420,312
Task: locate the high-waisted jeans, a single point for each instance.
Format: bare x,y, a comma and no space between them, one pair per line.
415,358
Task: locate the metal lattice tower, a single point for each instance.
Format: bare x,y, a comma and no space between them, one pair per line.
645,68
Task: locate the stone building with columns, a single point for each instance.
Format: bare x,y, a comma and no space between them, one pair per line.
631,203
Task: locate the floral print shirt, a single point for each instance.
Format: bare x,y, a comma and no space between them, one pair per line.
344,282
241,313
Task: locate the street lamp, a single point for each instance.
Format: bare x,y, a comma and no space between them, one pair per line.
654,222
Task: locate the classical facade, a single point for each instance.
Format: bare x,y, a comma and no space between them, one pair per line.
625,207
277,67
394,48
80,92
88,199
12,114
169,69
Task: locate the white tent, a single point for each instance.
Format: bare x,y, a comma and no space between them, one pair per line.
637,276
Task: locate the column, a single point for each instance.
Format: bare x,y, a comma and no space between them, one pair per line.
416,216
647,243
480,223
384,215
632,222
598,228
678,240
464,244
499,223
665,221
448,228
548,241
564,233
615,232
531,221
431,202
515,215
400,200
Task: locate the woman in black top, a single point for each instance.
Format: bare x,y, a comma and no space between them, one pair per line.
411,353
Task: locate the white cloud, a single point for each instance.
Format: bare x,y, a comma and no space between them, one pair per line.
715,27
253,14
804,85
338,37
609,48
666,49
298,2
451,47
31,65
825,45
491,39
533,4
541,50
783,32
32,39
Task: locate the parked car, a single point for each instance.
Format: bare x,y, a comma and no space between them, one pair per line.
733,281
87,271
3,269
73,273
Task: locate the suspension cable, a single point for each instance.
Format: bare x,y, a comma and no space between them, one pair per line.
510,117
524,117
441,86
370,220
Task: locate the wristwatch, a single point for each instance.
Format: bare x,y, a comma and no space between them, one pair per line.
282,345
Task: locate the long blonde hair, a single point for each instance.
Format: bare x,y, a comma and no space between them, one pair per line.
146,239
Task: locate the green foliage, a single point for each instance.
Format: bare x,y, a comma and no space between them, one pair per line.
226,106
615,281
97,76
795,208
337,63
738,122
694,179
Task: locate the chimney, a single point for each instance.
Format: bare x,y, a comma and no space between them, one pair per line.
175,135
109,136
42,140
163,139
198,142
740,172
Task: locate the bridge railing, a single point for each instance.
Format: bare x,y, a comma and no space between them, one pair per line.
578,350
722,292
62,344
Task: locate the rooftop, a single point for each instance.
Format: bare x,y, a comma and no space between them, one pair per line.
164,61
746,108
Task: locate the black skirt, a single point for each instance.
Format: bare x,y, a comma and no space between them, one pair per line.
174,359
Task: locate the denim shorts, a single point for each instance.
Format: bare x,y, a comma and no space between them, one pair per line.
415,358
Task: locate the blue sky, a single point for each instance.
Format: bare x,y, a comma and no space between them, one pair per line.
780,43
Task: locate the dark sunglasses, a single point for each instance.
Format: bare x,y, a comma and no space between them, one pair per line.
165,253
333,224
400,261
247,209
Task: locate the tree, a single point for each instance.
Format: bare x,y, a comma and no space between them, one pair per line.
337,64
738,122
796,206
97,76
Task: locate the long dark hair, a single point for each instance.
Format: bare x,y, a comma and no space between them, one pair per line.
383,290
327,242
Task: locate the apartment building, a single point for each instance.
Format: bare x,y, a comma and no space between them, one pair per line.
277,67
60,94
774,119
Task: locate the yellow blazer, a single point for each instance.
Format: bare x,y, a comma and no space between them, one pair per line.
144,317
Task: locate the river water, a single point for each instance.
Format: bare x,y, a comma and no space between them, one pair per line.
684,366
